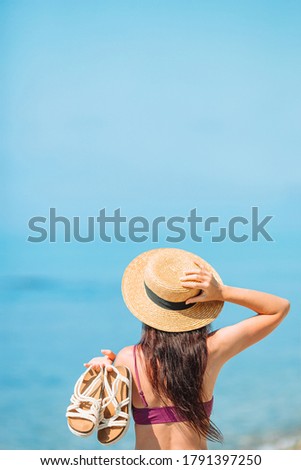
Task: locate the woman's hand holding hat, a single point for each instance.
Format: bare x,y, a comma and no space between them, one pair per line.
201,278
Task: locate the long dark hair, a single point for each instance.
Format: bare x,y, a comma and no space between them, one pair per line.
175,366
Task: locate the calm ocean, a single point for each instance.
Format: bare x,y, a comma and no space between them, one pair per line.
54,318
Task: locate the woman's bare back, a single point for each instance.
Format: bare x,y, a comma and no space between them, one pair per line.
168,435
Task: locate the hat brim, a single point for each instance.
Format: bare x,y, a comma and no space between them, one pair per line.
142,307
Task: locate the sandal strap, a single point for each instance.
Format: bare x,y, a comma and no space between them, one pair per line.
112,391
95,411
83,414
111,398
109,423
86,394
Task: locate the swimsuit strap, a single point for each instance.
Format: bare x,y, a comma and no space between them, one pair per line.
138,379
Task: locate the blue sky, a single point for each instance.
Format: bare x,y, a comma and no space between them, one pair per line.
154,107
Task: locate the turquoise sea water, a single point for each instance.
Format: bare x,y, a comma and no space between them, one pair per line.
52,324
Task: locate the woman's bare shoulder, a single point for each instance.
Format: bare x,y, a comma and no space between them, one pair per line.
213,341
125,355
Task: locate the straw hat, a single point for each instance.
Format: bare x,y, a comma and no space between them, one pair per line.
152,291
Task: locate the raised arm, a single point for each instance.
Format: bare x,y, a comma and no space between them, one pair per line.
229,341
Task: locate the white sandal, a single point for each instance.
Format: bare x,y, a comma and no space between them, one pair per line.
117,397
84,412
